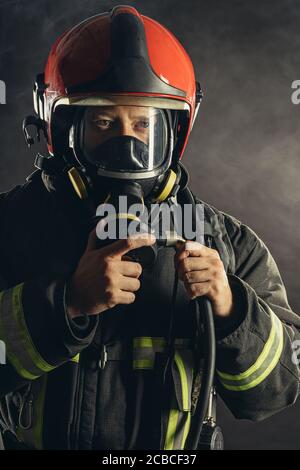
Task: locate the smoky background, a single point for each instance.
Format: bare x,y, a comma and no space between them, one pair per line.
243,154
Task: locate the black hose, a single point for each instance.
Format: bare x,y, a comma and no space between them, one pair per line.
208,373
209,350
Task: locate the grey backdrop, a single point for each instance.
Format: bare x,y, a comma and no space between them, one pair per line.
244,151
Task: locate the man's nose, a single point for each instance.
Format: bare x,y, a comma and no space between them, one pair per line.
126,129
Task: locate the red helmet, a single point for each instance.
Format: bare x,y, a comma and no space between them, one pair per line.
115,58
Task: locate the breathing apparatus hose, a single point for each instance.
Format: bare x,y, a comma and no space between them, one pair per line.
208,373
203,311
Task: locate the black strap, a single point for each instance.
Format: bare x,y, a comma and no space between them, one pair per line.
50,165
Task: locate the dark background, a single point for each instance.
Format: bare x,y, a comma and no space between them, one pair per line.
243,154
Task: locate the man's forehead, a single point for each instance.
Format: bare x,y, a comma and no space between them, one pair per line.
122,110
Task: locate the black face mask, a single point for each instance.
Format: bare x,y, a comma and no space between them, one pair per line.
120,154
104,186
130,154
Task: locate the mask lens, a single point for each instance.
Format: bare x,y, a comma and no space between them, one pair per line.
124,138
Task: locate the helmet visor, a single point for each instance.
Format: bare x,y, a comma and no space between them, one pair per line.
124,138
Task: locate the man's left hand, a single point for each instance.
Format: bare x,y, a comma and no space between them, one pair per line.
203,273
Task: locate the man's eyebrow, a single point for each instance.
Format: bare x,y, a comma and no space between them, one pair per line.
111,114
142,116
102,113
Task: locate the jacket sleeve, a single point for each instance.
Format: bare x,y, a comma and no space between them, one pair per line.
257,369
36,333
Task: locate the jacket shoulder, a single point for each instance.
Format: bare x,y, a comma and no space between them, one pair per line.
24,211
32,192
238,239
235,228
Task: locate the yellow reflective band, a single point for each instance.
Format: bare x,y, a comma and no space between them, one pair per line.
19,367
168,187
186,429
75,358
264,365
13,359
171,430
148,342
143,364
145,348
261,378
184,381
18,313
179,420
77,183
260,360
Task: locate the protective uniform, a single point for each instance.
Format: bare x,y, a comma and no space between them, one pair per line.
82,384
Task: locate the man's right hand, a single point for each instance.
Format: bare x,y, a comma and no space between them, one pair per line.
103,278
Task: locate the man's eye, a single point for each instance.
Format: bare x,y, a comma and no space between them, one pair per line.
103,123
143,124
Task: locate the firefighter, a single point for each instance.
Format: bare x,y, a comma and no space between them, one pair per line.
85,325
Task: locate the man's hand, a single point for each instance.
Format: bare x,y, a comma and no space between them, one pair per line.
203,273
103,278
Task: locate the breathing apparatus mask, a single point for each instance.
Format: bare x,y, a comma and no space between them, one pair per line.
123,144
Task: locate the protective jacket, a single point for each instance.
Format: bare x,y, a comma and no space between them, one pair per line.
79,384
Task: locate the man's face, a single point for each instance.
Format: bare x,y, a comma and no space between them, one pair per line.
105,122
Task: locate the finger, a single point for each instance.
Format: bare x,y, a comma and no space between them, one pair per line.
196,249
198,289
197,276
126,297
121,247
180,256
180,246
130,268
129,284
192,264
